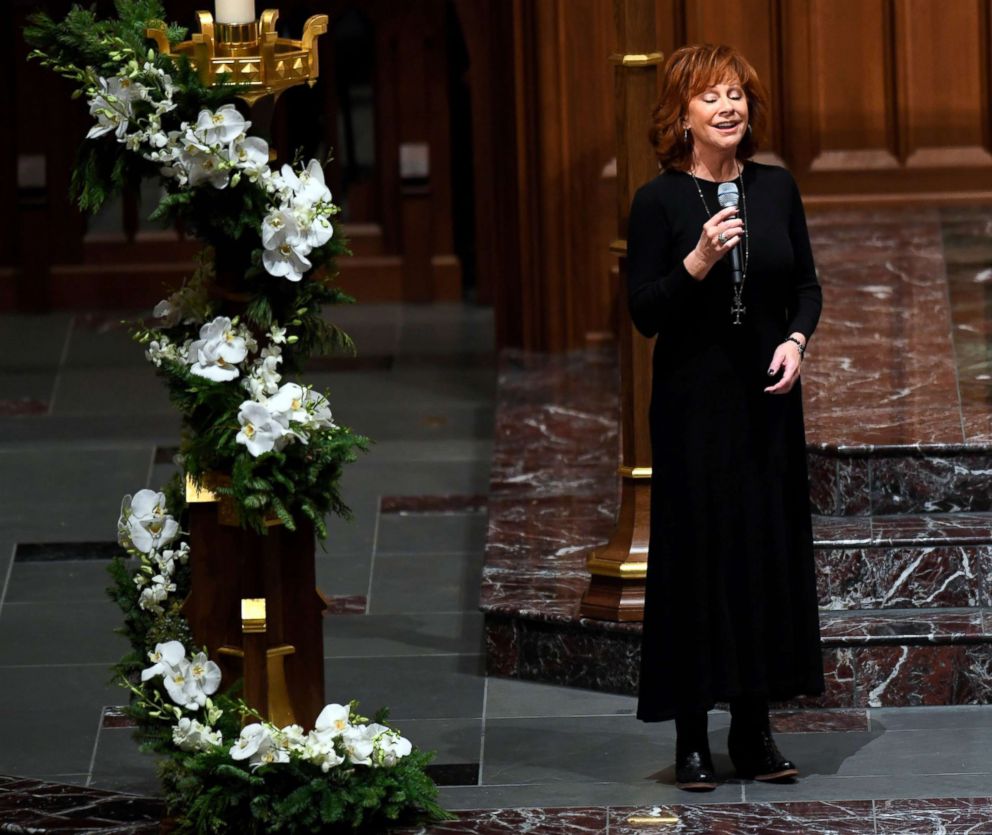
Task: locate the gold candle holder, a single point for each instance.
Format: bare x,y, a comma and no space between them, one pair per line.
251,55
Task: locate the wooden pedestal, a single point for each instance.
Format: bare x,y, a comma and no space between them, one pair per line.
280,657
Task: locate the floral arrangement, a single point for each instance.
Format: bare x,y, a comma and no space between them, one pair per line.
348,774
225,343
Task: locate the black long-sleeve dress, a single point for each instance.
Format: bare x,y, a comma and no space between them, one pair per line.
731,604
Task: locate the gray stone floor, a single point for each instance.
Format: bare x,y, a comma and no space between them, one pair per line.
81,419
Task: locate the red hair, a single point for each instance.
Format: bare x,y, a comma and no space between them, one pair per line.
688,72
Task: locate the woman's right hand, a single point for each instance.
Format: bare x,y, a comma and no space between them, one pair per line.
709,250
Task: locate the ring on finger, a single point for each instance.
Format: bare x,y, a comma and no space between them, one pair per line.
722,238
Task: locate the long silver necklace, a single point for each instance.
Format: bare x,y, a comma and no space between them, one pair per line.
738,309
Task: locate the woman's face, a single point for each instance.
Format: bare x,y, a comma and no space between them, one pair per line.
717,117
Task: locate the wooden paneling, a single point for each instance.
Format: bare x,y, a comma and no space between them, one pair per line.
871,99
563,119
943,90
852,85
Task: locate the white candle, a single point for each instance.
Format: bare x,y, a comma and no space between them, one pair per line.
234,11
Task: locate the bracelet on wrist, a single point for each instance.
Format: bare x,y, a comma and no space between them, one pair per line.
802,348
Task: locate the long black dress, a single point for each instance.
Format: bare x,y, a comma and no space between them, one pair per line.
731,605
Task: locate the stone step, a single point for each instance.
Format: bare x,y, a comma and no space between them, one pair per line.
884,658
898,658
904,561
900,479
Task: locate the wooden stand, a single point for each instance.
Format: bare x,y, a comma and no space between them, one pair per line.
254,605
616,590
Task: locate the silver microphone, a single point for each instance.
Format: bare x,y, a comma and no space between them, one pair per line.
727,195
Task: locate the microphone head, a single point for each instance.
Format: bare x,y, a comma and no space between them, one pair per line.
727,195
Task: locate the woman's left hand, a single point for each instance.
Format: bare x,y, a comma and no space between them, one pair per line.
788,358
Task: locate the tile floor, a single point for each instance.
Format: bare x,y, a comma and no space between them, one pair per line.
83,421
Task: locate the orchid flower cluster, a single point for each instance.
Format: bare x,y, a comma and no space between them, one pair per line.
216,150
114,102
276,415
340,737
148,532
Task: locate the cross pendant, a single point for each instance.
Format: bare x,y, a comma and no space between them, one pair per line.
738,310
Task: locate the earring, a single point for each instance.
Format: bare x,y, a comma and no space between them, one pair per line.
685,135
749,131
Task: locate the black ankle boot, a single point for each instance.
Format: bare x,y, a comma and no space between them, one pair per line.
693,764
694,769
750,745
756,756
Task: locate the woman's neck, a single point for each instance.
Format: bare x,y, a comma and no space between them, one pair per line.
717,168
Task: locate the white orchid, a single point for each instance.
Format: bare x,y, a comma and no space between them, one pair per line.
269,755
220,127
257,745
321,752
318,231
188,682
144,523
279,227
299,223
252,738
291,738
319,409
154,595
285,248
164,349
164,658
290,402
261,430
166,559
308,187
389,747
251,155
206,168
286,261
302,406
112,106
168,312
265,377
217,352
333,721
358,744
191,735
204,677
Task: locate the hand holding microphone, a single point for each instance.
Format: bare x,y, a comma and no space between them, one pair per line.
711,248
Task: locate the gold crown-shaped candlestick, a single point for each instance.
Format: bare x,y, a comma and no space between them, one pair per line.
251,55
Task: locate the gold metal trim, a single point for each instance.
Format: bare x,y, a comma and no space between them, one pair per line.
237,33
199,495
635,472
650,820
280,706
649,59
252,614
607,568
619,247
251,55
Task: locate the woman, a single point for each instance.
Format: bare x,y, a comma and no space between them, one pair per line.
731,606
